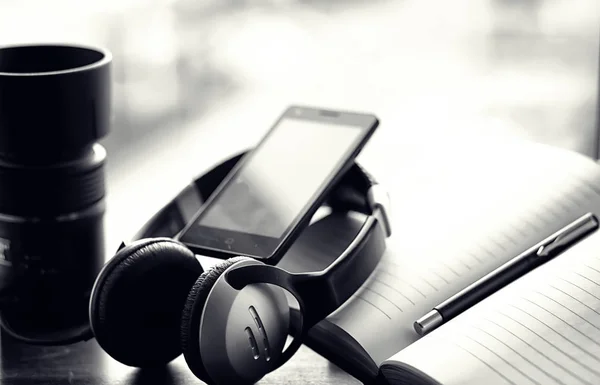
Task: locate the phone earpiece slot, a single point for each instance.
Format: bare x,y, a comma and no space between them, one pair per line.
331,114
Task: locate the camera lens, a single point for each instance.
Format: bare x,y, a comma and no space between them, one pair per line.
54,107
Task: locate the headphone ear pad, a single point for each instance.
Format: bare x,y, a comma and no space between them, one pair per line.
192,311
136,302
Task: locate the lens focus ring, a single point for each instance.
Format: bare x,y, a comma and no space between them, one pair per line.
53,190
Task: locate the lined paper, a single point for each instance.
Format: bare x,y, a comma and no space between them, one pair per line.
542,329
446,236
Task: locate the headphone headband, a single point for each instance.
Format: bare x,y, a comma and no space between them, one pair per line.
357,191
318,293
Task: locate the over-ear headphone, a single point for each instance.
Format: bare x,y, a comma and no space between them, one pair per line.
152,301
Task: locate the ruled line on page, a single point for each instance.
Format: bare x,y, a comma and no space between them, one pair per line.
502,359
462,262
538,351
379,295
434,272
578,287
597,343
397,277
414,288
498,244
522,233
474,255
543,218
590,186
592,268
514,351
398,292
510,239
450,268
486,250
587,278
487,364
573,199
531,224
568,309
575,299
561,204
373,305
533,332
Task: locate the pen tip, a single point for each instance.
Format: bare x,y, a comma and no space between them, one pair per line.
428,322
418,328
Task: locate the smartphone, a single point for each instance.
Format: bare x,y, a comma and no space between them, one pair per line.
271,194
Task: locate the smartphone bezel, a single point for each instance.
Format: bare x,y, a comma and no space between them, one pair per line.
270,249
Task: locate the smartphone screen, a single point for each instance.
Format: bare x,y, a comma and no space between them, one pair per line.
278,184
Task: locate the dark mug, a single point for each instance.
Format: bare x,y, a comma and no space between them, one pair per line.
55,103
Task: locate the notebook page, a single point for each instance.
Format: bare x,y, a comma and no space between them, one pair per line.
542,329
446,236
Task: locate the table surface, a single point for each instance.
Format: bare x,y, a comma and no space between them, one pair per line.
85,363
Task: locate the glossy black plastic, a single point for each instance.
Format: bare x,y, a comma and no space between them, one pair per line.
318,293
321,293
212,241
54,102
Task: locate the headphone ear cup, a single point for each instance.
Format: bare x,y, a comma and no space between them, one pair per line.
136,302
192,311
233,336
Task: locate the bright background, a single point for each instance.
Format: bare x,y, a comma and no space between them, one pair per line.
198,79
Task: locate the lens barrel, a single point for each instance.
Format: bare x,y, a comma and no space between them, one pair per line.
54,106
54,102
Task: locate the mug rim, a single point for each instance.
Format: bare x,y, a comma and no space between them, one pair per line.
106,58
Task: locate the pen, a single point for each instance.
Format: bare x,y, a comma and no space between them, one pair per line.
505,274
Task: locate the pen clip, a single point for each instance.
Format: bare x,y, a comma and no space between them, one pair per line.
570,234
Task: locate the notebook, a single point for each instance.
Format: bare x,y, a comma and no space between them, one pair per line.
455,219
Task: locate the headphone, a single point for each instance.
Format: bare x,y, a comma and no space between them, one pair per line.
153,301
